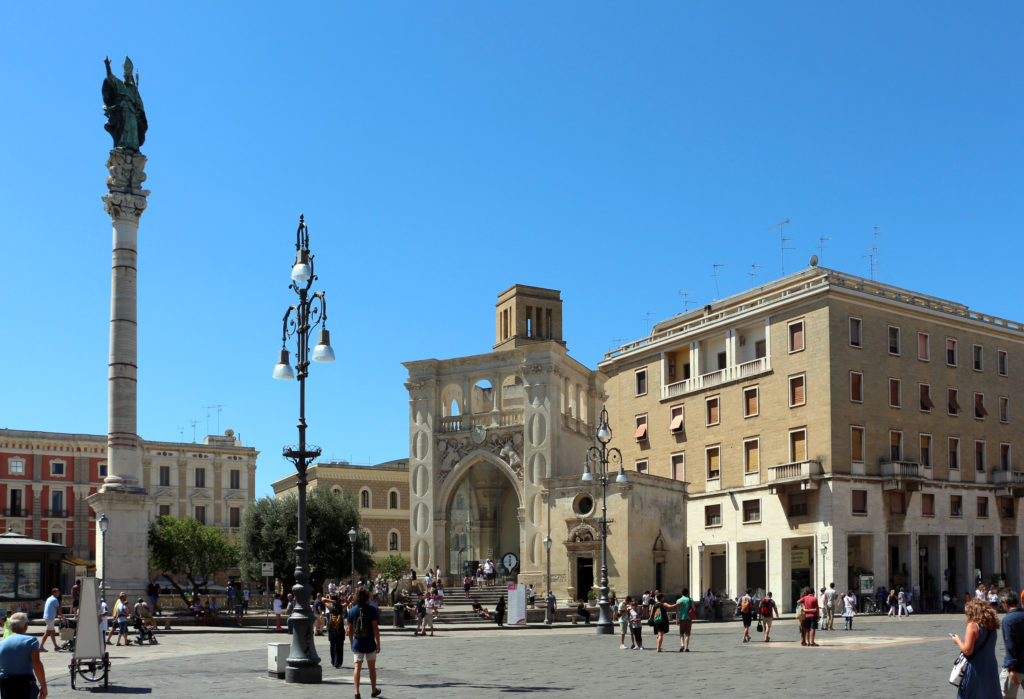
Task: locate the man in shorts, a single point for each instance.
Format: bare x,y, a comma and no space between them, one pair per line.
1013,640
364,633
768,608
684,604
51,610
746,607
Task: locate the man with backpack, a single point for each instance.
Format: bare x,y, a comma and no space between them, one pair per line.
746,604
364,633
768,608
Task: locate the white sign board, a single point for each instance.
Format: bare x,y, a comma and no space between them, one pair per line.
516,604
268,570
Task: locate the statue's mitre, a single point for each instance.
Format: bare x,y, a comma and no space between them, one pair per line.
128,67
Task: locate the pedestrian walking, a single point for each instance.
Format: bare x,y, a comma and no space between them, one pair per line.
51,610
364,633
746,607
659,617
467,583
849,610
550,602
121,614
893,601
687,611
901,598
531,597
831,596
23,674
981,680
768,610
289,608
709,603
1013,642
810,605
821,609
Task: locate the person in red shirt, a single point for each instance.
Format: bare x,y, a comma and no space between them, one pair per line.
810,605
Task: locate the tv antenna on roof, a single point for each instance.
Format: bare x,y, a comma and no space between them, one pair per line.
195,423
714,275
753,272
782,242
874,255
821,248
686,301
218,407
647,322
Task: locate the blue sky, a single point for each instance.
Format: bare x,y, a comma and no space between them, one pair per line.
444,151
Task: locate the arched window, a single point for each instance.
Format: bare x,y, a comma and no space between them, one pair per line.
393,500
393,541
364,499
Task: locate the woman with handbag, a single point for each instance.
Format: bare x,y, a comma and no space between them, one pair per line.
981,673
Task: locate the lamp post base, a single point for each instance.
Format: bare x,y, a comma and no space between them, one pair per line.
605,625
308,674
604,629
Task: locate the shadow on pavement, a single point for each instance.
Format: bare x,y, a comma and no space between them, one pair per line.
115,689
491,687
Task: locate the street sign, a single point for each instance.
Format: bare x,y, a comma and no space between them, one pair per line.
268,570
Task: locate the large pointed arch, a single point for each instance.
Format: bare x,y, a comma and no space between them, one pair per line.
468,462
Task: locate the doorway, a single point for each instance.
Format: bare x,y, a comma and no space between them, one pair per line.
584,576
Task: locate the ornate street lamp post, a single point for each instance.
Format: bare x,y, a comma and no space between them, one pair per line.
601,456
547,607
352,536
103,523
299,322
824,573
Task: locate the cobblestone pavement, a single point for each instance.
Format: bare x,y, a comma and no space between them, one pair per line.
879,658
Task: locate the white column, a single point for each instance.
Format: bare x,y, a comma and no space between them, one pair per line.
695,369
122,498
730,348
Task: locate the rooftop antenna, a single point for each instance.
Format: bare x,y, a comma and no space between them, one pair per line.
821,248
218,407
686,301
714,275
782,242
195,423
874,255
181,432
647,322
753,272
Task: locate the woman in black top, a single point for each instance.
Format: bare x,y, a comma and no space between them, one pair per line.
499,612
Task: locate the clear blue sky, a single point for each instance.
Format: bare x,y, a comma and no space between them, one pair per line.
443,151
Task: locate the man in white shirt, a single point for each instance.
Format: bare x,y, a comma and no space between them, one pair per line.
428,620
830,605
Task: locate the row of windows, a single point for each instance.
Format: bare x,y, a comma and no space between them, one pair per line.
199,513
751,510
16,467
712,407
16,503
897,504
925,402
895,348
199,478
365,499
925,450
751,457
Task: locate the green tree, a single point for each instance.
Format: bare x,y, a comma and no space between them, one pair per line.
394,567
187,547
270,529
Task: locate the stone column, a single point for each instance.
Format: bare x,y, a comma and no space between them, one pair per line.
122,497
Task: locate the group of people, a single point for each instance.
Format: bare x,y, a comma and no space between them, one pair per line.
984,676
652,609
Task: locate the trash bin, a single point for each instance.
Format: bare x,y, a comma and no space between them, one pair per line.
399,616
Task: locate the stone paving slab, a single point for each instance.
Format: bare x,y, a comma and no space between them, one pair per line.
879,658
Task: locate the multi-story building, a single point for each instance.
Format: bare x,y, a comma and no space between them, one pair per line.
382,495
830,427
45,478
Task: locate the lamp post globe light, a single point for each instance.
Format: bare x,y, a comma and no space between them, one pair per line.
103,523
352,536
547,607
597,461
299,322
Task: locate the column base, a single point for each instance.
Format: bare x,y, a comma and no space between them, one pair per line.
306,674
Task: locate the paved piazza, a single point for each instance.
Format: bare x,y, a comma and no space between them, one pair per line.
880,658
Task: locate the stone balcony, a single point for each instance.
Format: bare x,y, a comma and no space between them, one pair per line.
739,372
494,418
902,475
795,476
1009,483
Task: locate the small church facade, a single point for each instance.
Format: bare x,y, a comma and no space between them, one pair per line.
497,444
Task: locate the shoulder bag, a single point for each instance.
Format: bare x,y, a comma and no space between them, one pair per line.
956,675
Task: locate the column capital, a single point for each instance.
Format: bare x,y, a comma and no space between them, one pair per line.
125,200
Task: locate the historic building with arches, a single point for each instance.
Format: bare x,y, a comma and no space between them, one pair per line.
497,444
